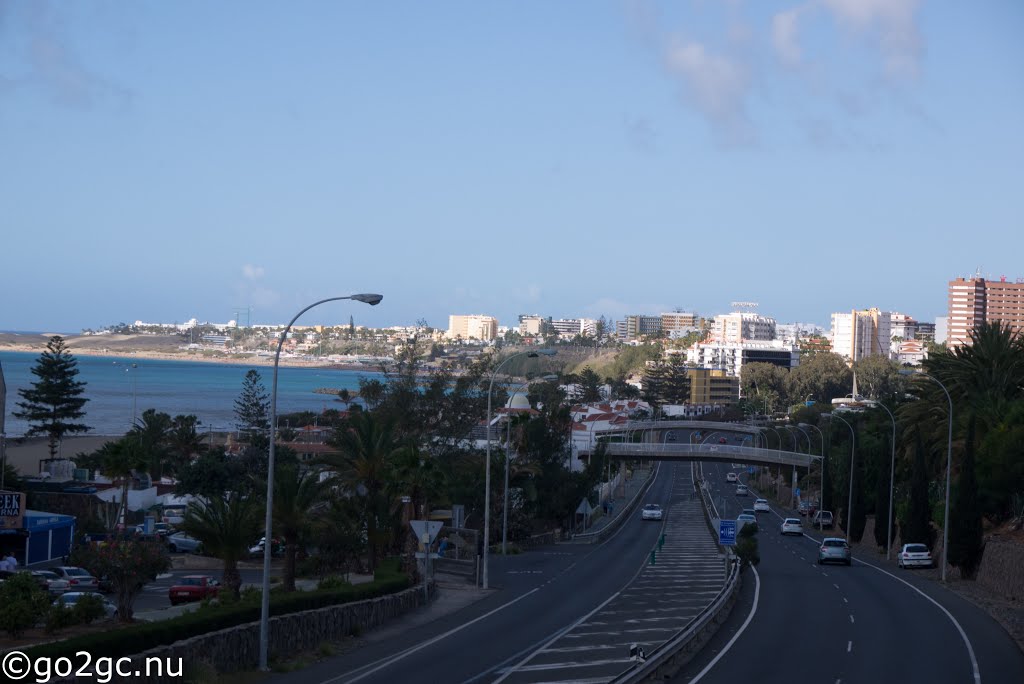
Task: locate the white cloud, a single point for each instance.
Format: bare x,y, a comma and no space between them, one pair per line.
894,20
252,272
785,35
717,85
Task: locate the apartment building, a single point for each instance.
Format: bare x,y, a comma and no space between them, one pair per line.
976,300
731,357
571,327
681,321
472,327
738,327
636,326
712,386
859,334
531,324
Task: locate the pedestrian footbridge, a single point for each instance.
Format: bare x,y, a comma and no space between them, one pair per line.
725,453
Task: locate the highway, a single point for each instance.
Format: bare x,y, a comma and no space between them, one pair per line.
801,622
539,595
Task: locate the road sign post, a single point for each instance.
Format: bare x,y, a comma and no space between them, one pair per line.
727,532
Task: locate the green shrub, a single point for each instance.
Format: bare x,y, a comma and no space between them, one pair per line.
22,603
210,618
746,546
88,608
58,617
333,582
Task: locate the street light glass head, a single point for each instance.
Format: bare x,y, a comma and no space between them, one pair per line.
371,299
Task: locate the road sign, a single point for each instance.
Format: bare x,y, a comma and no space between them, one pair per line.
727,532
584,508
798,491
428,528
750,470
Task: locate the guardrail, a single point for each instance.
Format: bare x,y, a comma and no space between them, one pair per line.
616,522
711,452
665,660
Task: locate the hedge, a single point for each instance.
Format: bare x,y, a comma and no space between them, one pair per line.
144,636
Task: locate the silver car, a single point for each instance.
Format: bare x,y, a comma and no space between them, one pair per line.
834,550
179,541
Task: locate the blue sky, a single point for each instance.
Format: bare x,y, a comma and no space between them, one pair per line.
168,160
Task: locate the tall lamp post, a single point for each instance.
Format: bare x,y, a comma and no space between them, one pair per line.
853,447
487,466
372,300
949,465
821,504
892,473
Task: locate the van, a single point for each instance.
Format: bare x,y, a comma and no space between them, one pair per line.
741,490
822,520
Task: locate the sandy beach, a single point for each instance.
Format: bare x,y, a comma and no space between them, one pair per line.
162,347
25,454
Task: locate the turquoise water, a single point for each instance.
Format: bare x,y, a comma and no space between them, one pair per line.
206,390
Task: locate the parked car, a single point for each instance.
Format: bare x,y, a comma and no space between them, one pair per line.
822,520
181,542
914,556
792,526
69,599
51,581
761,505
276,549
79,579
731,477
804,507
651,512
834,550
193,588
744,519
741,490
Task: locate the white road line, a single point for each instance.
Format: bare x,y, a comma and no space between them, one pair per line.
753,610
835,585
851,619
845,600
849,646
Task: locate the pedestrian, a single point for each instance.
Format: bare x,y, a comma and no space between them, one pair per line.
4,567
12,562
442,547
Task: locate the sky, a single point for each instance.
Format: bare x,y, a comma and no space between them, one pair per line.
162,161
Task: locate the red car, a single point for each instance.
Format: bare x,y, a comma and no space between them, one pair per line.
193,588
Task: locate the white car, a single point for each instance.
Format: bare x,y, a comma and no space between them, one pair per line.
792,526
741,490
914,556
78,579
181,542
651,512
55,584
69,599
744,519
730,477
761,506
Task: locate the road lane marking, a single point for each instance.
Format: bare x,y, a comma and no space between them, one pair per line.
835,585
849,646
851,619
753,610
845,600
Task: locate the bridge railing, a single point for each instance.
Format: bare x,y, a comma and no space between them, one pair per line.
717,452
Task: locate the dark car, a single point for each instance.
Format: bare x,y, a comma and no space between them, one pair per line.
193,588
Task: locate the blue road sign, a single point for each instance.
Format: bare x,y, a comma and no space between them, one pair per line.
750,470
727,532
797,490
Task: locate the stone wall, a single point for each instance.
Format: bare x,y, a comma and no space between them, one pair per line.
1000,569
237,648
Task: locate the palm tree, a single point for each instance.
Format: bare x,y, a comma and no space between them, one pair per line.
150,433
364,466
297,494
183,442
119,461
226,526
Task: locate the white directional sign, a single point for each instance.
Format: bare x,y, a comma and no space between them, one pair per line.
426,528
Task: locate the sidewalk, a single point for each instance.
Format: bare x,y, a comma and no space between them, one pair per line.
619,504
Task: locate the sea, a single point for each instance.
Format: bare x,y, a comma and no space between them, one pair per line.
119,389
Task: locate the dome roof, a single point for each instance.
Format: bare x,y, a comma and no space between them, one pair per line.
518,401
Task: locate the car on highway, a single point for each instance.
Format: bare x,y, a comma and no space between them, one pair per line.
79,579
761,505
792,526
741,490
822,520
69,599
193,588
834,550
181,542
651,512
749,511
744,519
914,556
731,477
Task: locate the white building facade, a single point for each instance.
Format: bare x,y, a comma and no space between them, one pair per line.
859,334
740,327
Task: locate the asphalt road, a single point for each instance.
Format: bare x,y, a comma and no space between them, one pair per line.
842,624
537,595
154,594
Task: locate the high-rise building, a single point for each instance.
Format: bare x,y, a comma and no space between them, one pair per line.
570,327
682,321
738,327
637,326
530,324
859,334
472,327
976,300
731,357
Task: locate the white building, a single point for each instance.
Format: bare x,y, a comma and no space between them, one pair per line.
793,332
859,334
731,357
571,327
472,327
739,327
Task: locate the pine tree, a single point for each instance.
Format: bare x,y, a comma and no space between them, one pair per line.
966,544
252,408
54,402
916,528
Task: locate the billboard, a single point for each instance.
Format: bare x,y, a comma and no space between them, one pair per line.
12,510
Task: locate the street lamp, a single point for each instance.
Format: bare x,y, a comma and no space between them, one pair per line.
892,473
372,300
508,442
487,466
821,504
949,465
853,445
